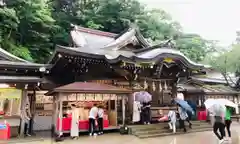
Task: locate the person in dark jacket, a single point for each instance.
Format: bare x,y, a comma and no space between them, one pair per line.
146,113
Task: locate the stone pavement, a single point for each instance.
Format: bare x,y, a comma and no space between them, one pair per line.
115,138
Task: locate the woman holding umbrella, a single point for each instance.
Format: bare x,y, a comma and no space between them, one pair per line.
145,99
217,110
183,108
183,116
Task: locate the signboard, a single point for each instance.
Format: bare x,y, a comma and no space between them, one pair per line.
72,97
106,96
81,97
40,98
98,97
113,97
90,97
10,93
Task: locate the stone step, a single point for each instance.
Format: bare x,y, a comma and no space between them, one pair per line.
166,130
160,126
170,133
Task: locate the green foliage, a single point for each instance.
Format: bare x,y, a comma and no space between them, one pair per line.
228,61
31,28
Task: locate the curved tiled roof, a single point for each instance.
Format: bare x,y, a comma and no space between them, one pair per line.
110,49
114,56
10,60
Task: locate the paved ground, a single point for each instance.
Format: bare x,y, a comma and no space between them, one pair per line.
115,138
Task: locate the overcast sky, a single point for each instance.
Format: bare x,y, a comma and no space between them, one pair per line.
212,19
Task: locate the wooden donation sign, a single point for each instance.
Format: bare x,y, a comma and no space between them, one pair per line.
98,97
81,97
72,97
106,96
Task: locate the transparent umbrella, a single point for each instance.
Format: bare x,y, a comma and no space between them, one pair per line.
143,96
217,110
229,103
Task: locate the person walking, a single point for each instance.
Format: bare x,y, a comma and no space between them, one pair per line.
228,120
92,120
183,116
75,121
218,113
173,119
100,119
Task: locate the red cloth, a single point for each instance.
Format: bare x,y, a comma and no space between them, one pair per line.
202,115
83,124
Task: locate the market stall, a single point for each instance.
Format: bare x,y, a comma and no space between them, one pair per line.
10,102
84,95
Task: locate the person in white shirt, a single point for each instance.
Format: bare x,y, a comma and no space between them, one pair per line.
74,123
173,119
100,119
92,117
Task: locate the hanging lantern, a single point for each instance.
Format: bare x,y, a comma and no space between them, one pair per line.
153,86
160,86
145,85
165,85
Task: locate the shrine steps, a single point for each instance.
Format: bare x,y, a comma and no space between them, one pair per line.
161,129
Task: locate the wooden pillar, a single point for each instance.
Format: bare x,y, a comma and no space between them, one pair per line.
123,110
60,116
32,109
116,109
54,115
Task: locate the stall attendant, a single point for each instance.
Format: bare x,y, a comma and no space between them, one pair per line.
92,118
100,119
74,123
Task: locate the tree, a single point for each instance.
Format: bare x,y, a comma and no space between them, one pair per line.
228,63
31,28
32,32
9,31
